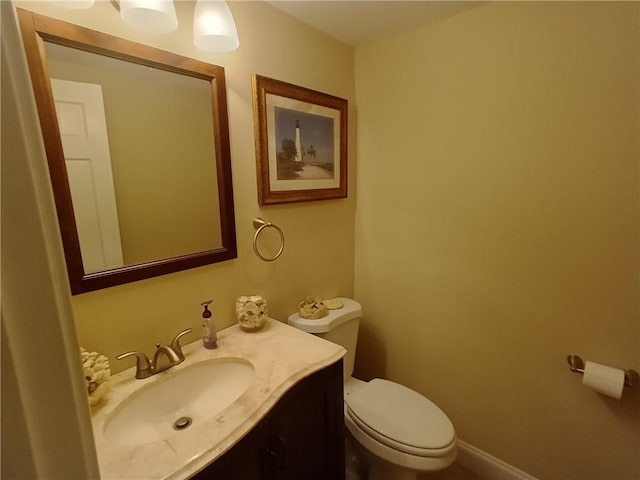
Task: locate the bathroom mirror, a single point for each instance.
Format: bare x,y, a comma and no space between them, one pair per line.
137,142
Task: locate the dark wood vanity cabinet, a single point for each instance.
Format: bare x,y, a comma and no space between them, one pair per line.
302,438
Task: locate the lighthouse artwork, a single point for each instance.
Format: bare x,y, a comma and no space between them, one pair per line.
304,145
301,143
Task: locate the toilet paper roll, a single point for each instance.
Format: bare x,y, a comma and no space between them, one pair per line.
603,379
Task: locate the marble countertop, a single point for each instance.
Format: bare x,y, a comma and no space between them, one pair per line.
281,356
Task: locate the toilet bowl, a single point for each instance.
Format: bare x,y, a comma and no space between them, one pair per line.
395,432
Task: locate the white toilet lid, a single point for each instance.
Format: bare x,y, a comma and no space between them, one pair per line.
401,417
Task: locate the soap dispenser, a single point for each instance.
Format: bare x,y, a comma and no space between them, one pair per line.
209,336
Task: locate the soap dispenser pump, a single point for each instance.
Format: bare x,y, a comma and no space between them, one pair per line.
209,336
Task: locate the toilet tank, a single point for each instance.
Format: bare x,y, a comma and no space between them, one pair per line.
338,326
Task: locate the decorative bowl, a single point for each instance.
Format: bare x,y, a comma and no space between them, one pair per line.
251,312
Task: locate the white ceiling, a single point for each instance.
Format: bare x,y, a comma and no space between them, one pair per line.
361,21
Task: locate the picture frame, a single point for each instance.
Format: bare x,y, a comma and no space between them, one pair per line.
301,143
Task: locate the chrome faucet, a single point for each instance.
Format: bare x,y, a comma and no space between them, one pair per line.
172,353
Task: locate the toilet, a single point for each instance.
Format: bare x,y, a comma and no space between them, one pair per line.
393,432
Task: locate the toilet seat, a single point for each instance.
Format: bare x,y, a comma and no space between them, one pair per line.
401,419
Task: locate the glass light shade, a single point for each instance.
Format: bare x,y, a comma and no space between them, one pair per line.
213,27
75,4
156,16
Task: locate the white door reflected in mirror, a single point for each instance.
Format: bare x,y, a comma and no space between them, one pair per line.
83,130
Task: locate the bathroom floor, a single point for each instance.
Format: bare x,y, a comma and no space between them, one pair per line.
454,472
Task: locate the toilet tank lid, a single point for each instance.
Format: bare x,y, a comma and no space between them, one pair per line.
350,310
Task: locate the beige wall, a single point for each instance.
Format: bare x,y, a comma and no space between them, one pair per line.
318,258
497,226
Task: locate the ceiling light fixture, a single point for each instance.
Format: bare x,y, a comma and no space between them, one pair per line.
213,27
155,16
76,4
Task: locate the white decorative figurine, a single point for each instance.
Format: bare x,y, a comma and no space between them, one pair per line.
97,373
251,312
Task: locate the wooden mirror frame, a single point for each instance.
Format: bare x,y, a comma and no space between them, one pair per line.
36,29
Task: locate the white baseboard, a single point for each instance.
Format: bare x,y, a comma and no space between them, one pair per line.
487,466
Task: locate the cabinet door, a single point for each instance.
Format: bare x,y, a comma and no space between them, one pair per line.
307,429
245,461
302,438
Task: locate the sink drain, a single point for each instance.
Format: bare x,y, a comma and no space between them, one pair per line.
182,423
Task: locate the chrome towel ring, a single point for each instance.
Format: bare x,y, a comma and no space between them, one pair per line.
260,225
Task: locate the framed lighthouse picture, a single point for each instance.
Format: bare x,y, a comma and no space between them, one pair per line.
301,143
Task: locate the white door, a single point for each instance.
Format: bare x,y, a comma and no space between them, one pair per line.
85,142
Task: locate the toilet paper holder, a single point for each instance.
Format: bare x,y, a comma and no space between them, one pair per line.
576,363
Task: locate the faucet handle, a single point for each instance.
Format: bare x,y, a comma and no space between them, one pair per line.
175,343
143,367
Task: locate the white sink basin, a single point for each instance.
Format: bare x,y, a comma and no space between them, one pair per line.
178,399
